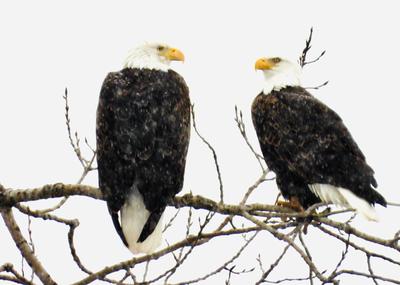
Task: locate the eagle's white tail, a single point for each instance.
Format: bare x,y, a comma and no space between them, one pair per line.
344,198
133,218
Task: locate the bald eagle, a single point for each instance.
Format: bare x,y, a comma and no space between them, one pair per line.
143,130
307,146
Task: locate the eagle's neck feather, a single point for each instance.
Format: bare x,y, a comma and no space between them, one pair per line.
284,76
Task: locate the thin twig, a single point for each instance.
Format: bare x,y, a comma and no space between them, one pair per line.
221,186
219,269
283,237
170,222
343,256
242,128
273,265
303,57
370,269
74,143
318,86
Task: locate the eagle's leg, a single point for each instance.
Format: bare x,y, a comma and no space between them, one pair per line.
151,224
293,204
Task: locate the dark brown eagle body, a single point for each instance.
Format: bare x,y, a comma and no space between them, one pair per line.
304,142
143,130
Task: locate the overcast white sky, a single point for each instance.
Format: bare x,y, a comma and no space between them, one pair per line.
49,45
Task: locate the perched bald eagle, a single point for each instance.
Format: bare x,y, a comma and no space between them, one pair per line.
143,130
307,145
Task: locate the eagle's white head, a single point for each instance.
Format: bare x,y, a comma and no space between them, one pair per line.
278,73
153,56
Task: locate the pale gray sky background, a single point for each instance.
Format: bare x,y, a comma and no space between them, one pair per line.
49,45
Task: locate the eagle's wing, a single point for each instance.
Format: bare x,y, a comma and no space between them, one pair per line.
124,135
121,141
313,141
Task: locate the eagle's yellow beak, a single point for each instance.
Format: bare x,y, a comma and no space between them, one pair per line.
174,54
263,64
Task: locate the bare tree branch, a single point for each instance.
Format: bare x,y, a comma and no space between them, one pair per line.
24,248
16,278
303,57
242,128
221,186
137,260
222,267
318,86
273,265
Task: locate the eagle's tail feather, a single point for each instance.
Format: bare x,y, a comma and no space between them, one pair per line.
378,198
360,205
344,198
117,225
134,217
151,224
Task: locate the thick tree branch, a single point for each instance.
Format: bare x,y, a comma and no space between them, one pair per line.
9,197
351,230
